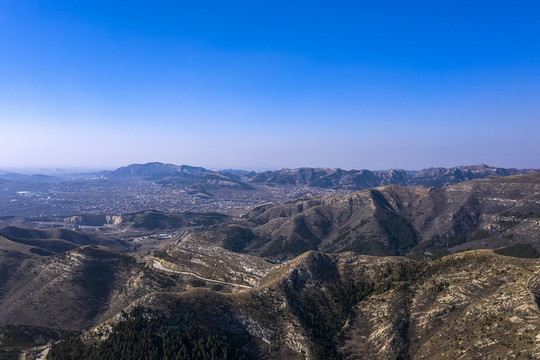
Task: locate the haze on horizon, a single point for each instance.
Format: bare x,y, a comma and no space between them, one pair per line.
251,85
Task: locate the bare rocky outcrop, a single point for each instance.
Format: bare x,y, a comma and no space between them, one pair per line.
208,260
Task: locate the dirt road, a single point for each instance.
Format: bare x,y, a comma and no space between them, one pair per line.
156,264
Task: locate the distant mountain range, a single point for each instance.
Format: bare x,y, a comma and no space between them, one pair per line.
338,179
174,188
29,178
169,174
364,179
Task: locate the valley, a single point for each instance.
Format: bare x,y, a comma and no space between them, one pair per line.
393,271
172,188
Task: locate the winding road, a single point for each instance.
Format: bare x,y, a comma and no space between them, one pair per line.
156,264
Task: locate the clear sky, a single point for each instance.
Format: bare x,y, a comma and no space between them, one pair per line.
270,84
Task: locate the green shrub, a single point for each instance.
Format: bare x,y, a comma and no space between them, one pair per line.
197,283
519,250
237,237
142,338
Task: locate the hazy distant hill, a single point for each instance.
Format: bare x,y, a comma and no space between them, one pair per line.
204,181
29,178
197,178
315,177
238,175
156,171
443,176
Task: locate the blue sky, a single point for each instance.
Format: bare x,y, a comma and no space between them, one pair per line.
252,84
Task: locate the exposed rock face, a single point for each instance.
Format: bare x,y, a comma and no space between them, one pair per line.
211,261
468,305
316,306
114,219
61,291
84,286
481,305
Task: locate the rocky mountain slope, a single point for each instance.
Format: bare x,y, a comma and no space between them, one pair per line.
207,291
199,177
446,176
469,305
316,177
210,261
78,288
69,291
50,241
332,178
393,220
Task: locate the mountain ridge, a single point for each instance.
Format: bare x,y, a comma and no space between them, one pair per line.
349,306
393,220
335,178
